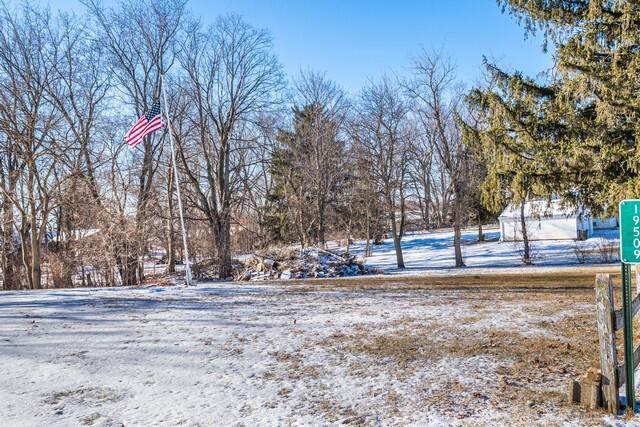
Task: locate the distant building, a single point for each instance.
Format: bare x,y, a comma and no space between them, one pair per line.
546,220
605,223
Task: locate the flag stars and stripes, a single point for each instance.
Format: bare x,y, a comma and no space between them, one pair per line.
150,122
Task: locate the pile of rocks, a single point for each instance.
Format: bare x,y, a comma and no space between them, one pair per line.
289,263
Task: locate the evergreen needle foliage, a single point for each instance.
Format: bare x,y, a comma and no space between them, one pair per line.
574,131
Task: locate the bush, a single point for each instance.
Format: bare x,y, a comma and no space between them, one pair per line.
607,250
534,252
582,251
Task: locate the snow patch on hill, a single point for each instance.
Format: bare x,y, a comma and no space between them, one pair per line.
427,251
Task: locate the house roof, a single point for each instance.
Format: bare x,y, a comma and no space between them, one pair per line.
542,209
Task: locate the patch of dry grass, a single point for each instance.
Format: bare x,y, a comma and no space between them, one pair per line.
580,278
534,367
296,368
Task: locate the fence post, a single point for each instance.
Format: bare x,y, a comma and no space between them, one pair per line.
607,337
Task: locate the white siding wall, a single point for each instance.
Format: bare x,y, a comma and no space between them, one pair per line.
539,229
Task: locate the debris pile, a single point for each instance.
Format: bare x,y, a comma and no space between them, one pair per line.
298,264
205,270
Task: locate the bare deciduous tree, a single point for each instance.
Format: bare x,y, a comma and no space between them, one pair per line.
28,54
232,77
437,103
380,130
141,41
78,206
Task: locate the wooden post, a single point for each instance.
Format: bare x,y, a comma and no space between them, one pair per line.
607,337
574,391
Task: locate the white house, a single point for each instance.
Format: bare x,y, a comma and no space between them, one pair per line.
545,221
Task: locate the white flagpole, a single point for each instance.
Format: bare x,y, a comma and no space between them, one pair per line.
187,268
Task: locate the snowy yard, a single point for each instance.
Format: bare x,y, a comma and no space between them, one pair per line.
245,354
428,251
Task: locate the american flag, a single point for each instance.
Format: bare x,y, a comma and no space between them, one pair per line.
150,122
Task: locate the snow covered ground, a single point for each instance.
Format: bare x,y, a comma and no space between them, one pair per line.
264,355
426,252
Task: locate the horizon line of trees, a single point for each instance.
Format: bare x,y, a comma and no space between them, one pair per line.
263,161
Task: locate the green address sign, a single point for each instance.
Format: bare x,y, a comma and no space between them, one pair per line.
630,231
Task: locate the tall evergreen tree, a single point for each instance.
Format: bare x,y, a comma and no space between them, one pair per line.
573,133
307,172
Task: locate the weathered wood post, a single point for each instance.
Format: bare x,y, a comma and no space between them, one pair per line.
607,337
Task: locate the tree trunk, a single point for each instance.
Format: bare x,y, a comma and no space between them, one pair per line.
24,251
36,271
10,270
367,248
480,234
349,224
444,211
457,244
396,237
141,252
8,251
436,218
526,256
223,246
299,216
457,227
84,276
403,219
128,269
321,238
427,203
171,251
457,236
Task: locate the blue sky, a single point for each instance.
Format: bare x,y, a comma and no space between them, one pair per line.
356,40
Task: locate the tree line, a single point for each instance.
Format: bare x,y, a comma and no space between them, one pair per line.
264,160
